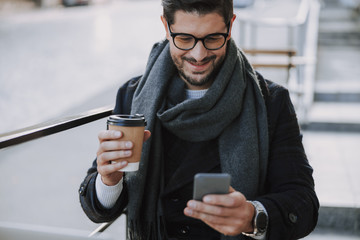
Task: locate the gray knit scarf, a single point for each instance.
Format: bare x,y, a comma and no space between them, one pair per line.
232,110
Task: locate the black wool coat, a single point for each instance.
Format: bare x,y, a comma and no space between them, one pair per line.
290,198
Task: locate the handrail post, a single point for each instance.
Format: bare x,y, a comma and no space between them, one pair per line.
104,226
101,229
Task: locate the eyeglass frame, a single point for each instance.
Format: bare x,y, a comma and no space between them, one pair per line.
173,35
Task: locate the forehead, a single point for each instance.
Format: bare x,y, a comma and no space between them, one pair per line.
198,24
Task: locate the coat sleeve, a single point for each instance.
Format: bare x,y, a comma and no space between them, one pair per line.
87,192
290,198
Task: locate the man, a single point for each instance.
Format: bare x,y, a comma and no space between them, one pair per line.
207,111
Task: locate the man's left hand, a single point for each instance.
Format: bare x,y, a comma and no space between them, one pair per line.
229,214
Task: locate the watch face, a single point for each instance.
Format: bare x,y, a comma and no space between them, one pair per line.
261,222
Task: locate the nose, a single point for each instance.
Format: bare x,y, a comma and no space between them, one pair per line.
199,52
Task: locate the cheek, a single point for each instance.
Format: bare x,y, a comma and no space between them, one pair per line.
175,52
220,56
221,52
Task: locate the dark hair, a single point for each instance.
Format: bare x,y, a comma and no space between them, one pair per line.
222,7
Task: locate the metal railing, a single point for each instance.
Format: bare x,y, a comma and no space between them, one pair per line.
56,126
298,23
51,127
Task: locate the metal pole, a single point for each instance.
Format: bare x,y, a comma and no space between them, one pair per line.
100,229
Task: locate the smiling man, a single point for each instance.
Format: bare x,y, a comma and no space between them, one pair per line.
198,63
207,112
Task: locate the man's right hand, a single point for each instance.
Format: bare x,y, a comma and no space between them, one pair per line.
111,148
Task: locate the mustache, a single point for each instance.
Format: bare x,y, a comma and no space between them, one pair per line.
194,61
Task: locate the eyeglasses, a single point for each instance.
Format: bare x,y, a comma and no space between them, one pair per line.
184,41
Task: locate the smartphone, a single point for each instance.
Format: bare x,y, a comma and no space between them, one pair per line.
210,183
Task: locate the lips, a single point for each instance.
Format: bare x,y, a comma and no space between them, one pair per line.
199,67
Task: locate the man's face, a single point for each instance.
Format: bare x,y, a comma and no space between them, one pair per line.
197,66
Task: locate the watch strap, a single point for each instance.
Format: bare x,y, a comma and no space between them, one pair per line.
259,210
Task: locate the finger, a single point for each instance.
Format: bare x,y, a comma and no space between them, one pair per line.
225,225
147,135
106,157
108,169
115,145
231,200
205,217
209,209
106,135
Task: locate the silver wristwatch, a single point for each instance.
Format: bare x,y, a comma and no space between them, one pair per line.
260,221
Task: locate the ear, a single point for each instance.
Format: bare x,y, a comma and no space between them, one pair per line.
231,24
166,27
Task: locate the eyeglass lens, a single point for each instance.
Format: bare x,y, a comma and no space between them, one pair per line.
211,42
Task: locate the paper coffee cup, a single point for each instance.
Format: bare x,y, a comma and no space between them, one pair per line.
132,127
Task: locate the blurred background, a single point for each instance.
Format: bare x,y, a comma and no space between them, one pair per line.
60,58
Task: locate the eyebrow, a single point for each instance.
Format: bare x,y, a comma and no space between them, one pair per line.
178,33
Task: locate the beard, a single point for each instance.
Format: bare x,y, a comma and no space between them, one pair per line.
195,78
